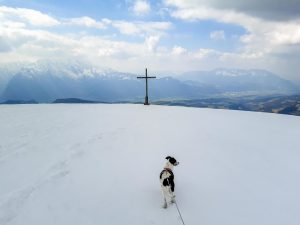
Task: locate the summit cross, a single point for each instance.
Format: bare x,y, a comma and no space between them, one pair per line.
146,77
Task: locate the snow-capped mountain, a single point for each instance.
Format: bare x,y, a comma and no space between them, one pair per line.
236,80
7,71
45,81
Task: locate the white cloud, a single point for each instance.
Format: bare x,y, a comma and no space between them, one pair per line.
141,28
21,40
273,10
4,45
178,50
152,42
35,42
205,53
33,17
141,7
88,22
12,24
266,40
275,32
217,35
127,28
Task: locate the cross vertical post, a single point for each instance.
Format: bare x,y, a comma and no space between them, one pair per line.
146,77
146,98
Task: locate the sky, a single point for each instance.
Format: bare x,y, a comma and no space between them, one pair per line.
167,36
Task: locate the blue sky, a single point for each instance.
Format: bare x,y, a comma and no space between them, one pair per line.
191,34
166,35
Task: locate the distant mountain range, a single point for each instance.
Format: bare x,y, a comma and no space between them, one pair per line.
48,81
273,104
235,80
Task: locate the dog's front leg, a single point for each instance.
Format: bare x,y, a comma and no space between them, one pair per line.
173,199
172,196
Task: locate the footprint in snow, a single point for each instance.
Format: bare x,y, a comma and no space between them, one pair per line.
11,204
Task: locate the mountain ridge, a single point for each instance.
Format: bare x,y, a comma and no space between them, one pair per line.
47,81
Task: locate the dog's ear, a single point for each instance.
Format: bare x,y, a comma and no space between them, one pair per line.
168,157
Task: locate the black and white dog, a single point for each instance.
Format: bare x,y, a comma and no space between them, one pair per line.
167,181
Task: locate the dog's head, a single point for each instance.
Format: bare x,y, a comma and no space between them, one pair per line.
172,160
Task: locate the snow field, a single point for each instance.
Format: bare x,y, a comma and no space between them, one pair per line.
100,164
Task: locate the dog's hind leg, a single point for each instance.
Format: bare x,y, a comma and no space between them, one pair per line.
166,196
165,205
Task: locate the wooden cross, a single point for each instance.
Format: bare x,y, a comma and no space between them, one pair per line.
146,77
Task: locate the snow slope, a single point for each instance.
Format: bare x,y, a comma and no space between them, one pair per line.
100,164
